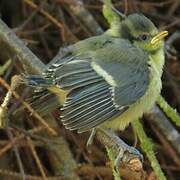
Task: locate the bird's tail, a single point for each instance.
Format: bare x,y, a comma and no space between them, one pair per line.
38,81
42,101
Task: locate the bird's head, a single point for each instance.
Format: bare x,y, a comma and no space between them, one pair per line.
142,32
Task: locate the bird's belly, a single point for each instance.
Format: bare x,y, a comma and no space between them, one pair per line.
136,110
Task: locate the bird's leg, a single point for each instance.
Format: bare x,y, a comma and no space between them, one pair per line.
91,138
122,152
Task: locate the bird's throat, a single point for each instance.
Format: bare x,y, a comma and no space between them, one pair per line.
158,60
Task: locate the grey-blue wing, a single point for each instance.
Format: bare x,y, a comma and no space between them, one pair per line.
129,70
92,99
88,107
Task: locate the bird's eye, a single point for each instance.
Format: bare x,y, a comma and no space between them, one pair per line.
143,37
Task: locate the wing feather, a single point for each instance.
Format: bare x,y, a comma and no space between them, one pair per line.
92,99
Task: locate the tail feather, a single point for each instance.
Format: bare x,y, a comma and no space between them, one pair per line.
42,100
38,81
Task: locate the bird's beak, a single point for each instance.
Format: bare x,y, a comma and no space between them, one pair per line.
159,37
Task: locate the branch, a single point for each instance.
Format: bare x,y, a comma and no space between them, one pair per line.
166,128
85,17
12,47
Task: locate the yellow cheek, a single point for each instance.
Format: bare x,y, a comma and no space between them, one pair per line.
143,45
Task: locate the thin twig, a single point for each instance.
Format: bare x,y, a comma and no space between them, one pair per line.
18,176
28,107
170,112
147,147
15,140
3,107
38,162
47,15
85,17
16,48
4,67
16,151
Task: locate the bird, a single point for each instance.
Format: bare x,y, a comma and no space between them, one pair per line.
108,80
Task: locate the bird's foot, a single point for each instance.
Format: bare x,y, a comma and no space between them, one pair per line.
128,155
122,152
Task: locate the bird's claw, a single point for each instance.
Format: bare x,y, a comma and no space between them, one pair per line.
125,155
